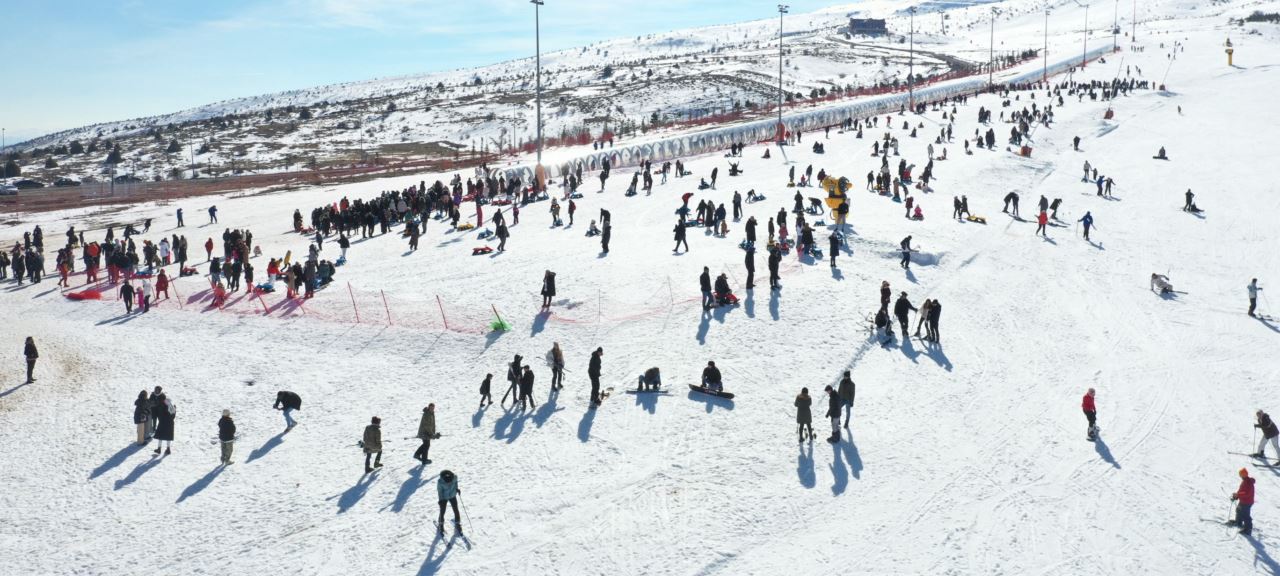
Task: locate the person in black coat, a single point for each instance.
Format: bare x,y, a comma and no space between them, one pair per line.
513,380
548,288
29,350
142,417
485,389
606,232
751,230
834,241
775,259
935,312
593,372
226,436
711,379
287,402
680,237
751,267
902,309
126,293
704,284
164,427
526,389
833,412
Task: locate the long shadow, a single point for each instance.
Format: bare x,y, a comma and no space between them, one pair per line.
547,409
851,454
408,488
584,425
431,565
1260,555
1097,245
1050,240
137,472
711,402
1104,452
934,351
115,460
773,305
837,274
839,474
704,324
478,416
911,276
509,426
1264,322
492,337
270,445
539,322
804,467
14,389
909,349
648,401
749,303
199,485
357,491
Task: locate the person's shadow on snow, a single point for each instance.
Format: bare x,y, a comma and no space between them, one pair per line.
804,466
115,460
408,488
773,305
547,409
584,425
1104,452
270,445
199,485
1260,554
436,555
357,491
840,475
138,471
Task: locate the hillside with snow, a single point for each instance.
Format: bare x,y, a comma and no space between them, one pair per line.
963,456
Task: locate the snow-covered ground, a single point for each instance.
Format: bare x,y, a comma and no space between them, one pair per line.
964,458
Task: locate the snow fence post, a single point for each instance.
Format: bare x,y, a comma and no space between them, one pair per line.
385,307
174,285
265,310
442,316
353,302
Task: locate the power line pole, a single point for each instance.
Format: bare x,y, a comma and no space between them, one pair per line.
911,60
991,51
1045,74
537,43
1115,27
1084,55
782,9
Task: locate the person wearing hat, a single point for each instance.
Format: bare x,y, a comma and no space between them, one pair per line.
1090,414
372,444
426,431
833,412
1269,432
593,372
711,377
448,491
226,436
1243,497
903,309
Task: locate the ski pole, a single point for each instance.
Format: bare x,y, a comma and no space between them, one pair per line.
470,528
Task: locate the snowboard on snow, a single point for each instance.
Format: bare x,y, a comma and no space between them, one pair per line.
704,390
643,391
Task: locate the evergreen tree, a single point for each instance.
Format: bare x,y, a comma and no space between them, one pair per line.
173,147
76,147
114,157
305,114
50,163
11,169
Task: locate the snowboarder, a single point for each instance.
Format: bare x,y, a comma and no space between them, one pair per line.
1253,303
1243,497
372,444
906,253
1090,414
485,388
593,372
448,491
650,380
711,377
804,414
226,436
1088,224
833,412
847,390
287,402
902,310
548,288
1269,432
426,431
29,350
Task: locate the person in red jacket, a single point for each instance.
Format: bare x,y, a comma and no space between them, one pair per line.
208,249
1090,413
1042,220
1244,502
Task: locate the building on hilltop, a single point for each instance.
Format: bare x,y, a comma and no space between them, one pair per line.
867,27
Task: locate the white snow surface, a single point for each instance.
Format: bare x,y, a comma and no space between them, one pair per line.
967,458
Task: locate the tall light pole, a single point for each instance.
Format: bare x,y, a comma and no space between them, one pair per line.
991,51
1133,36
1115,27
911,60
1084,55
1045,73
539,174
782,9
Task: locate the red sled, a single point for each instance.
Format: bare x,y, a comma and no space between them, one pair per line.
481,250
85,295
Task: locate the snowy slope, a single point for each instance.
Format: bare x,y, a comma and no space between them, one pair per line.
968,458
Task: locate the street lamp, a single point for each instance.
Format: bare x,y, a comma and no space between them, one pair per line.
1045,74
539,174
782,9
991,51
1084,56
1115,27
911,60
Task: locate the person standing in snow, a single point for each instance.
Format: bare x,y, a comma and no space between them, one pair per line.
226,436
287,402
1269,432
166,413
834,240
885,294
1253,301
372,443
593,372
906,253
485,388
902,310
804,414
750,260
833,412
142,417
548,288
606,233
846,391
775,259
1243,497
704,284
29,350
448,491
426,432
555,357
1088,223
935,312
1041,222
1090,414
680,233
526,389
513,380
1011,198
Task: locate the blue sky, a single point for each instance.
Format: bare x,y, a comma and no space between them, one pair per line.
69,63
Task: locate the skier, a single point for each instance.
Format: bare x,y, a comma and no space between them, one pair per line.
287,402
485,387
142,417
711,377
846,391
372,444
1253,301
1243,497
804,414
833,412
164,429
548,288
1190,201
1090,414
426,431
1160,283
593,372
448,491
704,284
226,436
29,350
1269,432
902,310
1088,224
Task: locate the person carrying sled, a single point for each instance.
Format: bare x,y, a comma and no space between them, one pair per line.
1090,414
1269,432
804,414
711,377
1243,497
